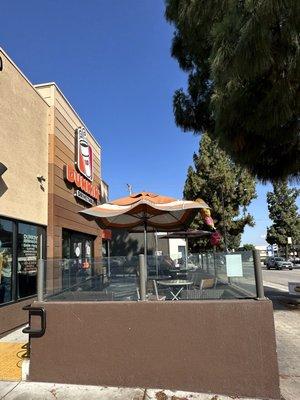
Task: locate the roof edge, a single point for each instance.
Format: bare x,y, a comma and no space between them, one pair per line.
22,74
69,104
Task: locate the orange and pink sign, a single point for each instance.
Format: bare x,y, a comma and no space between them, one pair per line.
84,161
87,187
83,177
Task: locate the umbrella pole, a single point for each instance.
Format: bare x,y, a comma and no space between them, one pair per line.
145,251
156,249
186,251
108,258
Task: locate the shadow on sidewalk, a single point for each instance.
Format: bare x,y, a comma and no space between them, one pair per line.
282,300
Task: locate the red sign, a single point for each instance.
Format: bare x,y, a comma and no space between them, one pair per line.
73,176
84,161
106,234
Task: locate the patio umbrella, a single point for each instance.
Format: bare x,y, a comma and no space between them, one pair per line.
147,211
186,235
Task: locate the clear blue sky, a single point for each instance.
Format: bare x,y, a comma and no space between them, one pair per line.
112,61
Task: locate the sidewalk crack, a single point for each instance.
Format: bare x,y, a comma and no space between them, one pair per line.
3,397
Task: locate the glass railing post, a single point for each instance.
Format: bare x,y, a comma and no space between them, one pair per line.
258,275
143,277
40,282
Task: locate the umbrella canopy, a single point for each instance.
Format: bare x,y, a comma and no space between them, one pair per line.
186,234
146,210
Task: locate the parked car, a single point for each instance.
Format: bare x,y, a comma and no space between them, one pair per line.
295,260
278,263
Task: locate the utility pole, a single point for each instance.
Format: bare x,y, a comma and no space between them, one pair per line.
129,187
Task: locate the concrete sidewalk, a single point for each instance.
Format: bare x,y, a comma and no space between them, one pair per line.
287,329
51,391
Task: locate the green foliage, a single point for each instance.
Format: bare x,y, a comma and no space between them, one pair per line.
242,58
217,180
283,211
248,247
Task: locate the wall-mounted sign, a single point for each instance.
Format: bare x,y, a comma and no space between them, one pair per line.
88,191
84,197
83,179
106,234
234,265
84,159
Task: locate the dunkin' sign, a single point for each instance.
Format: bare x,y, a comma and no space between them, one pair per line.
80,182
83,177
84,161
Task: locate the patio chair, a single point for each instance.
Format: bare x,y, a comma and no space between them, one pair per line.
207,290
195,277
155,296
207,283
152,287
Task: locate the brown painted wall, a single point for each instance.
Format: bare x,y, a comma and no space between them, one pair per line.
63,207
225,347
12,316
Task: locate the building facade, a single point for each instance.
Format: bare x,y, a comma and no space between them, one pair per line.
50,170
74,183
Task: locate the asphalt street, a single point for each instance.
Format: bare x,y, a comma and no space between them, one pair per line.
279,279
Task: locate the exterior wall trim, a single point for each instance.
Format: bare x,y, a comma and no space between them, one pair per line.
40,85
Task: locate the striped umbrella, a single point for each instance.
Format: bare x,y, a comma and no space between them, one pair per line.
146,211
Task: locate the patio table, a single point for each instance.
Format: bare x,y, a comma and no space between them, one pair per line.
178,273
177,284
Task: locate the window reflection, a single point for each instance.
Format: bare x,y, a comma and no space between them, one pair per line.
28,252
6,246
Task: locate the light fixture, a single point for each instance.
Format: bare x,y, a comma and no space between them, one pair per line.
41,178
3,168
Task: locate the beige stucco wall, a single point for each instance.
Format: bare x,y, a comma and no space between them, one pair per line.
23,146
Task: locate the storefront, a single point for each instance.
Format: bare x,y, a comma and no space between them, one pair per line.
74,184
20,245
23,190
50,170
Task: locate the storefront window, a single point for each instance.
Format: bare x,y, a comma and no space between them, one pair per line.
28,254
6,264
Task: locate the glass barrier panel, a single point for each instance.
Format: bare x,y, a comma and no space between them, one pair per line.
201,276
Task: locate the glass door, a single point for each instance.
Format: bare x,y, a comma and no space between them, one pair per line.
78,249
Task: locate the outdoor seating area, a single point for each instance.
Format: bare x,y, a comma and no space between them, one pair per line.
119,279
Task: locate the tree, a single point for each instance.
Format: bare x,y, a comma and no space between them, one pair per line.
224,186
242,58
283,211
248,247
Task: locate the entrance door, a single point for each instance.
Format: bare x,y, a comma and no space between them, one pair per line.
78,249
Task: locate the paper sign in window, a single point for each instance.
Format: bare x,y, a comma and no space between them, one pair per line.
234,266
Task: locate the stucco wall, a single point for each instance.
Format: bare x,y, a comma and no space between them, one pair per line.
173,244
24,147
225,347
